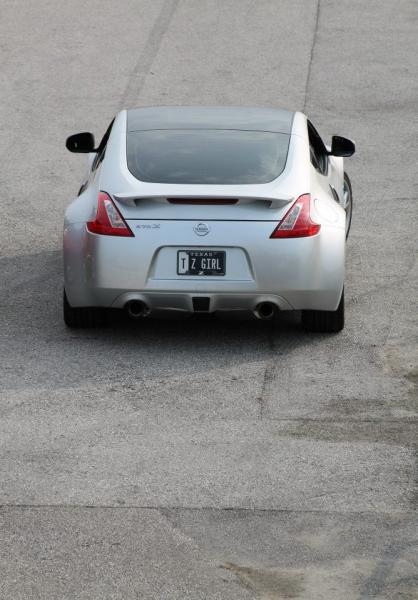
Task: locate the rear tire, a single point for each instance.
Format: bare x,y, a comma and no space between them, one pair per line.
76,317
324,321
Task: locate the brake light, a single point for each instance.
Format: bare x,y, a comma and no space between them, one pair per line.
203,201
108,219
297,221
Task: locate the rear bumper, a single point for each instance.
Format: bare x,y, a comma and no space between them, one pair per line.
294,274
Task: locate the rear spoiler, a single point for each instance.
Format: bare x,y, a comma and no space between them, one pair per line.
130,200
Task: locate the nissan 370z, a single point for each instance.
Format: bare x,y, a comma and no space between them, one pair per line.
202,210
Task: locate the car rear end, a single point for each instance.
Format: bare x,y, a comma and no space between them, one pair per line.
230,230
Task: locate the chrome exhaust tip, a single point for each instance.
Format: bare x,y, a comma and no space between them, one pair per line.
265,311
136,309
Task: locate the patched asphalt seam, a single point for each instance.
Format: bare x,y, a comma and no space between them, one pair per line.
375,584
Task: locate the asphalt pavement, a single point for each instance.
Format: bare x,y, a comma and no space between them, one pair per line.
209,459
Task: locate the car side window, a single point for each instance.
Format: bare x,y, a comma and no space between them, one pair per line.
101,149
318,152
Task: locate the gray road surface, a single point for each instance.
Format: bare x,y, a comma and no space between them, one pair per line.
208,460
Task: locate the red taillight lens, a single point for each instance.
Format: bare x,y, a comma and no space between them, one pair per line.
108,219
297,221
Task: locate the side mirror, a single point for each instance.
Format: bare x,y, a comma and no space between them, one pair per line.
80,142
342,146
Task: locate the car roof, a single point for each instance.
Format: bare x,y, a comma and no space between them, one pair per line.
210,117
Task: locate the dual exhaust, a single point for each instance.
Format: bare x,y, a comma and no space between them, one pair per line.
265,311
137,309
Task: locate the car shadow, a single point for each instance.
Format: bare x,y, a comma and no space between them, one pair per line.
40,350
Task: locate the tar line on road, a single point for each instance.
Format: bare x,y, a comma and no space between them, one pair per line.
146,57
314,38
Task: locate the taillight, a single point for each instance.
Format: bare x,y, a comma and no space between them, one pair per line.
108,219
297,221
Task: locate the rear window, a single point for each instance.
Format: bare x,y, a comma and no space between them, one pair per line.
206,156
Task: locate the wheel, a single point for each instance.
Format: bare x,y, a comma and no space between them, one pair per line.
82,317
324,321
347,203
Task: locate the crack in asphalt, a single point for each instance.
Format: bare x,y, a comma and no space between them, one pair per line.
275,354
148,54
254,510
311,59
268,376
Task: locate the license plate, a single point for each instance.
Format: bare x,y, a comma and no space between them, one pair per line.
201,262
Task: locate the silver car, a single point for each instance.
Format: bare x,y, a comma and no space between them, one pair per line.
209,209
